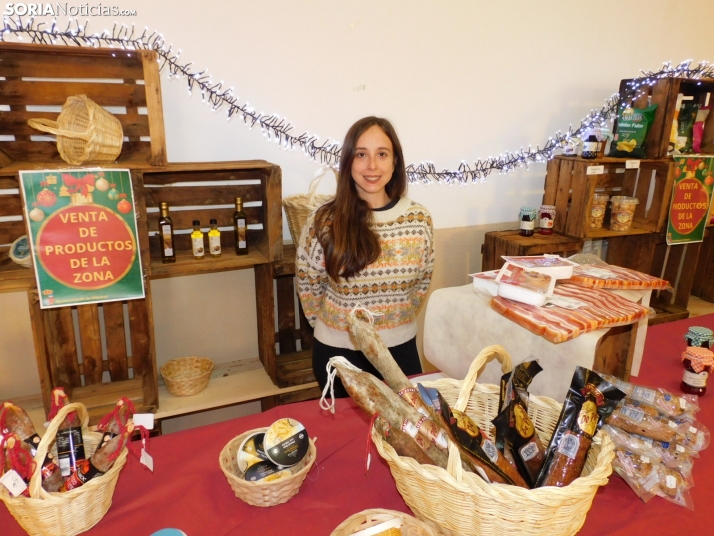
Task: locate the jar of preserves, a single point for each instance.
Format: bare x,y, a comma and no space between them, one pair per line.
697,367
527,217
546,219
699,337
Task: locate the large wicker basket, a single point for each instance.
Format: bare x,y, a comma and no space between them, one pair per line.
298,207
263,493
72,512
186,376
365,519
85,132
461,503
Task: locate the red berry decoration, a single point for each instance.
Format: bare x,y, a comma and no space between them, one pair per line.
46,198
124,206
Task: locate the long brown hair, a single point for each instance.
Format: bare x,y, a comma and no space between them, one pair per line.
343,225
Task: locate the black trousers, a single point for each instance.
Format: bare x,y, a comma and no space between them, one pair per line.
405,354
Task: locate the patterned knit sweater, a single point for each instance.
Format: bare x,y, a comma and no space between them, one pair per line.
394,285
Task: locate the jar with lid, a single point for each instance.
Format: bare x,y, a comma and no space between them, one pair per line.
699,337
546,219
697,367
527,217
597,210
590,146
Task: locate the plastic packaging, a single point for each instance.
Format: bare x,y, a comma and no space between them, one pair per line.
675,406
597,210
623,210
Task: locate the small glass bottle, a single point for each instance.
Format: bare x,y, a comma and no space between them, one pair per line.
240,227
166,234
197,241
546,219
590,147
214,239
527,218
699,337
697,367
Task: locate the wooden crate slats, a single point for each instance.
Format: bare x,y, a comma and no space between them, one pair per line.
614,351
116,340
10,205
565,178
286,314
203,195
15,123
272,248
145,321
91,339
685,278
498,243
265,312
154,105
636,252
141,329
183,219
582,188
703,285
46,151
49,377
46,61
48,93
551,182
64,345
173,174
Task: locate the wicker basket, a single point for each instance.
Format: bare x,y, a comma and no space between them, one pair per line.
298,207
85,132
263,493
365,519
186,376
72,512
461,503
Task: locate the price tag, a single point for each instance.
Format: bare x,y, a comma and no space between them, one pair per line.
632,164
596,170
144,419
147,460
13,482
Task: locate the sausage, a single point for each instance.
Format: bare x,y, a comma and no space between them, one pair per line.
635,421
568,461
402,443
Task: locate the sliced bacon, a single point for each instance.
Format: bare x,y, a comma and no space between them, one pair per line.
558,324
625,278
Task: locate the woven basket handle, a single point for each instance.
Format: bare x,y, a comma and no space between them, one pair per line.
48,438
467,384
315,182
47,125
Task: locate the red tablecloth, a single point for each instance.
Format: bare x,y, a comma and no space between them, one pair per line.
188,491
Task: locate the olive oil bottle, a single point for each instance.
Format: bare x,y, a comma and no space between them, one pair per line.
240,226
197,241
214,239
166,234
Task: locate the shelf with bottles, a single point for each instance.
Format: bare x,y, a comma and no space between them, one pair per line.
572,182
206,191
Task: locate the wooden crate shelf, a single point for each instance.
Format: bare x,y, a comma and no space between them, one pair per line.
570,186
498,243
45,75
186,265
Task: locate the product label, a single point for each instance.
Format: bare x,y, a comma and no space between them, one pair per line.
529,451
622,216
569,445
671,482
167,240
527,225
644,395
680,448
286,442
597,212
682,403
84,473
600,273
589,146
546,223
694,379
409,428
70,449
633,414
214,243
632,164
197,246
13,482
241,234
490,449
651,481
594,170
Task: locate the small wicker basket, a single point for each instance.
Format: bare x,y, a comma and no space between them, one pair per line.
72,512
85,132
263,493
186,376
365,519
298,207
461,503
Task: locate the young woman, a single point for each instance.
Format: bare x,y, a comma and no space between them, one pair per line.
372,246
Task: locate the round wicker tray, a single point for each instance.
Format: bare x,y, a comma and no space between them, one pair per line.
365,519
263,493
187,376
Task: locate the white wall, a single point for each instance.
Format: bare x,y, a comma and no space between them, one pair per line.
460,80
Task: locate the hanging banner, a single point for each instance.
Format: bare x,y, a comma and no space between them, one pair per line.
83,235
691,197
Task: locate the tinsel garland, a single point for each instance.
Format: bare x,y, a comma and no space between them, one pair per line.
280,130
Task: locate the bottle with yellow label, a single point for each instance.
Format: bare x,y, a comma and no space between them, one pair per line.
197,241
214,239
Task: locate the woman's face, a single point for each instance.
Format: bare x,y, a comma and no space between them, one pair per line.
373,165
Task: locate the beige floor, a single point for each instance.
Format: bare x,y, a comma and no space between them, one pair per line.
698,307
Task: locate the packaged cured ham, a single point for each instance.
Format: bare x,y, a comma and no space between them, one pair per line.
16,455
615,277
675,406
590,400
69,441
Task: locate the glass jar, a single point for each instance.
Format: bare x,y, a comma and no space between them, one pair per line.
546,219
699,337
527,217
697,364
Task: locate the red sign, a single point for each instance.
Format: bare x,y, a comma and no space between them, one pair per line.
85,247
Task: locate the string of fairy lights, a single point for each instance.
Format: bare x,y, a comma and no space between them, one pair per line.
281,131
